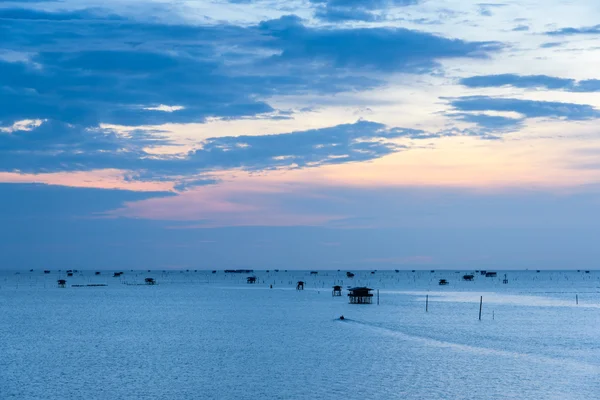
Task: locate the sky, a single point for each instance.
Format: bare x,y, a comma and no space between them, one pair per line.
315,134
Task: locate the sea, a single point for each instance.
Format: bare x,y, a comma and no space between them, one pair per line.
211,335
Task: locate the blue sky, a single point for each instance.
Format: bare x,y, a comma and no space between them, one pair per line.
325,134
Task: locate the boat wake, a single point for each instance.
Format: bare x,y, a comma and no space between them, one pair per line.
478,350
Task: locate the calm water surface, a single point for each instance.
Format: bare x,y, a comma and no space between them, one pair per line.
212,336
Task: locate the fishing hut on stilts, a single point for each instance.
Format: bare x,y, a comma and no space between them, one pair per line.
360,295
337,291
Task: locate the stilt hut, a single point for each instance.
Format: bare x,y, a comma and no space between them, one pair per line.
61,283
349,274
505,280
337,291
150,281
117,274
69,274
491,274
468,277
300,285
97,273
360,295
251,279
314,272
443,282
46,271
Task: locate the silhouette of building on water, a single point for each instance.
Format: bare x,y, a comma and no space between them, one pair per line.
468,277
349,274
61,283
251,279
150,281
314,272
97,273
69,274
360,295
443,282
491,274
300,285
337,291
117,274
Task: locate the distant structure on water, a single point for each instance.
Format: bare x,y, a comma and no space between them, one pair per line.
117,274
97,273
314,272
300,285
349,274
505,281
468,277
251,279
337,291
491,274
239,271
46,271
360,295
61,283
150,281
443,282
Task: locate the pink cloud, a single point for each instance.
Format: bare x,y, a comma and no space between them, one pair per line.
99,179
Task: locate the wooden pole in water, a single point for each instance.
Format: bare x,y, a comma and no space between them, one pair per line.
377,296
480,305
576,299
426,303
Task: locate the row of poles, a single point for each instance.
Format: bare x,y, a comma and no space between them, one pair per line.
480,303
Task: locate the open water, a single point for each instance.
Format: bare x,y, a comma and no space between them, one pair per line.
199,335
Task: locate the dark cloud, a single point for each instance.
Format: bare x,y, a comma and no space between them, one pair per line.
342,14
366,4
485,9
378,49
550,45
528,108
61,147
86,67
356,10
586,30
520,28
493,124
24,201
532,82
38,15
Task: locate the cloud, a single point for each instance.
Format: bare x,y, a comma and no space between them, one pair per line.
87,67
527,108
342,14
38,15
485,9
550,45
532,82
520,28
54,146
587,30
25,201
490,123
367,4
376,49
356,10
